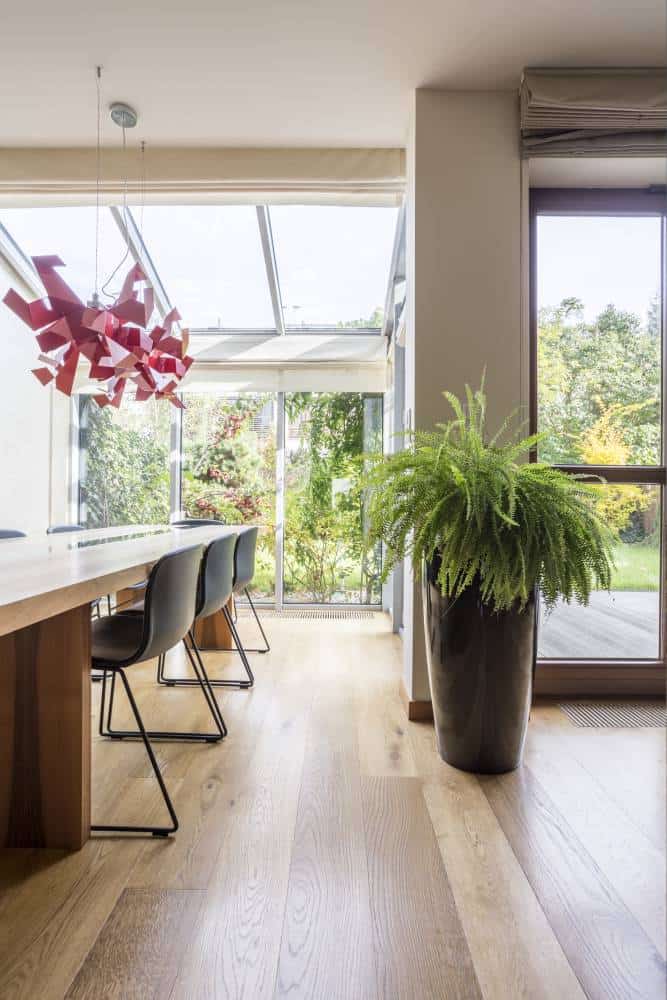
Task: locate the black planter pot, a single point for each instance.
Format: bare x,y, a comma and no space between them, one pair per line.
480,666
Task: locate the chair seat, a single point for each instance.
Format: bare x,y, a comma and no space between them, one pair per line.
116,638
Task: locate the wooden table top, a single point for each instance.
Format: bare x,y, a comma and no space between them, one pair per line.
42,576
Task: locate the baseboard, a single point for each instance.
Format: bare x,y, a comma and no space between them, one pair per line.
416,711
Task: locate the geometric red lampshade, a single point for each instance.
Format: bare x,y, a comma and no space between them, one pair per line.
114,339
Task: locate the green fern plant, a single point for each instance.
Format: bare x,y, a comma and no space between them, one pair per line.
490,517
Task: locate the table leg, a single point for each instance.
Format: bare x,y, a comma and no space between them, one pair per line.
45,733
213,632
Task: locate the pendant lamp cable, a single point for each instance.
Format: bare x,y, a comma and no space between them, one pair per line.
98,180
111,295
143,189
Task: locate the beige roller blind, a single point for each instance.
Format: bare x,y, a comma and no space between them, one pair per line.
593,112
202,175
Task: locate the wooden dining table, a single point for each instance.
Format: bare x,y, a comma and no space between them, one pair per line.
47,584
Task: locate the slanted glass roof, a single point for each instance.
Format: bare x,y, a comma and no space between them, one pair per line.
233,268
70,233
333,263
210,260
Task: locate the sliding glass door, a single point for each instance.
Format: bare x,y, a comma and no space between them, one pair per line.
597,397
324,557
290,462
124,473
228,469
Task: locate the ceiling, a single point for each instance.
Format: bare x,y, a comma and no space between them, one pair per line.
298,72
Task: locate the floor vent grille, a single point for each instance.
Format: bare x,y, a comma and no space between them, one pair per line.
615,714
348,614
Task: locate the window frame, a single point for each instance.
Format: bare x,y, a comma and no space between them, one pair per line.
604,676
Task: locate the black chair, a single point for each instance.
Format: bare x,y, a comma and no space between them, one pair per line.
11,533
244,564
185,523
122,640
244,571
244,567
216,581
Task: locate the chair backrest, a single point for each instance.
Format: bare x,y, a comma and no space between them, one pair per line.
170,603
216,576
244,556
194,522
60,529
11,533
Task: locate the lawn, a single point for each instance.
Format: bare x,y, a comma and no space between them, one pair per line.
637,567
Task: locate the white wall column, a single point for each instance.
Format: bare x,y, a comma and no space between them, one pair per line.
464,275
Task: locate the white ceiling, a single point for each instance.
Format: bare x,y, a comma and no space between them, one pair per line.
297,72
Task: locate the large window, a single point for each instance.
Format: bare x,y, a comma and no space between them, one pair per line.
597,369
333,263
210,259
234,268
324,556
256,285
229,469
225,463
124,470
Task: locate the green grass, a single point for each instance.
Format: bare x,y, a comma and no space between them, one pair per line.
637,567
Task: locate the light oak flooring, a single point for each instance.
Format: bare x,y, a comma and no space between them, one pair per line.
326,852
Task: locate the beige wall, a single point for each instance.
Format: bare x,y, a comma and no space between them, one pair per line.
34,427
464,273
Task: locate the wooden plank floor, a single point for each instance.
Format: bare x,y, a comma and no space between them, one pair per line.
326,852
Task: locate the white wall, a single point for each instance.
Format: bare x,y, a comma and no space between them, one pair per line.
34,427
464,274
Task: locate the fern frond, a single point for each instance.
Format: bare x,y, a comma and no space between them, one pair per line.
512,526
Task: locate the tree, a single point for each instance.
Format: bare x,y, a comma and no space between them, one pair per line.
126,477
604,444
229,468
586,367
325,508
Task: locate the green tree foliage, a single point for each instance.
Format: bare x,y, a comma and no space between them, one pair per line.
585,368
512,525
599,402
324,551
229,468
127,466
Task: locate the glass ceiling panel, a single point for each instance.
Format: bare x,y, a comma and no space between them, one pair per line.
333,263
210,261
70,234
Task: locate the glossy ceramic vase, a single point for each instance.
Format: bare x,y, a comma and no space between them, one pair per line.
480,666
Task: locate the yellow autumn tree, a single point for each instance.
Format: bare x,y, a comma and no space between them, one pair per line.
604,444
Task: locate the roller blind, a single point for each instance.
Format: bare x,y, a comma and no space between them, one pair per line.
203,175
594,112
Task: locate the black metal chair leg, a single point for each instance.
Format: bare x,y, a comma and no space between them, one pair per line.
216,682
171,735
249,649
259,625
242,653
155,831
192,653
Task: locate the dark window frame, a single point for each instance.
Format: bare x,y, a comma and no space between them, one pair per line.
603,676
